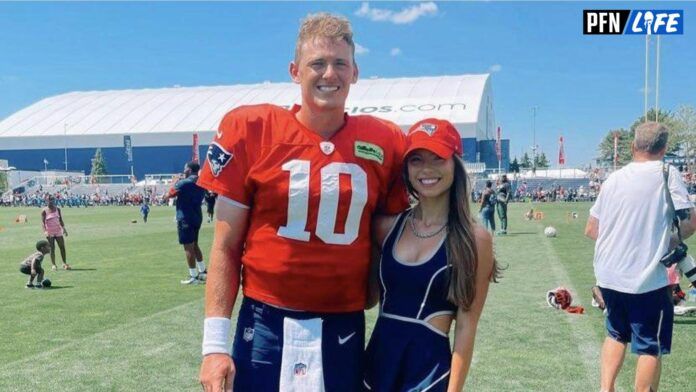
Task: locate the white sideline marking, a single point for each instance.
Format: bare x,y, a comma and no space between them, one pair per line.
584,338
121,327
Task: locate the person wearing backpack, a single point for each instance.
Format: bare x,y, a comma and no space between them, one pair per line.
487,208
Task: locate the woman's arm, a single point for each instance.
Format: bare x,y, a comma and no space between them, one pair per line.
60,219
467,321
43,219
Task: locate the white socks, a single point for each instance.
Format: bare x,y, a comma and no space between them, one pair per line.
201,266
193,272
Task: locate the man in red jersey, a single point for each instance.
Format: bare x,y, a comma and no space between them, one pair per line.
297,190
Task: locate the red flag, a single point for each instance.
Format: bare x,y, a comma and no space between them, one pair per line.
194,157
561,153
498,147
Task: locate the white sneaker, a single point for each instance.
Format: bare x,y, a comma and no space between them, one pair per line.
203,275
190,280
684,310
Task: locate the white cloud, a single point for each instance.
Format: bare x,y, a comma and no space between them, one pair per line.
395,52
495,68
405,16
359,49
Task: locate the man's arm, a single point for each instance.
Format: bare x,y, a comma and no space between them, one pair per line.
592,228
222,284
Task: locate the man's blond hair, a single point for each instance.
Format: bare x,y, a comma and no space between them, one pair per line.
324,25
651,137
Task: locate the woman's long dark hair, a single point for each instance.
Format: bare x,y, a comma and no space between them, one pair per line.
462,253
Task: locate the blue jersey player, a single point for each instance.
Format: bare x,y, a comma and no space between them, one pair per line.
435,268
189,217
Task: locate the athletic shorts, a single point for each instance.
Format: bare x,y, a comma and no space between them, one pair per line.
188,233
645,320
25,269
284,350
405,356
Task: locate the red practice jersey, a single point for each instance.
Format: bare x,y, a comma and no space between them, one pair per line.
311,202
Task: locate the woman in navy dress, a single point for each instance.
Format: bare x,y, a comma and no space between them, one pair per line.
435,268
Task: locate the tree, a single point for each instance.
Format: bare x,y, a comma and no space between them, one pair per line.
514,166
606,147
526,162
3,182
685,130
541,162
98,164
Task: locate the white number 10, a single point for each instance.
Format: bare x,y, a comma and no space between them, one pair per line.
298,202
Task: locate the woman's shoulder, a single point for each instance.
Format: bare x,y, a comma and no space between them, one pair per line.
383,225
483,237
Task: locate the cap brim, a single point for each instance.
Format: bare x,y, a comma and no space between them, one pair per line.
438,149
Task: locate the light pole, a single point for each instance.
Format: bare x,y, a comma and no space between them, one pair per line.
645,87
657,80
65,145
534,145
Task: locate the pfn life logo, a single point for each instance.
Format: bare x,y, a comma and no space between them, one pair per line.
637,22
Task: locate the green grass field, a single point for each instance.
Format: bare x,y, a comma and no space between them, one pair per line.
121,321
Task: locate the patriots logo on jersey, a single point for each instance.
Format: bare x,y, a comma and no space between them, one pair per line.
218,158
427,128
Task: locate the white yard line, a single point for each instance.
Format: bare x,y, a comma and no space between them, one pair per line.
579,324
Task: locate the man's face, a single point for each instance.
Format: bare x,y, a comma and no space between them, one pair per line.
187,171
325,70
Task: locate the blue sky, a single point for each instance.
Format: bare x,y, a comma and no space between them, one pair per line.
583,85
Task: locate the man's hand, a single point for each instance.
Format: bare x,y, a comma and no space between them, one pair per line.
217,373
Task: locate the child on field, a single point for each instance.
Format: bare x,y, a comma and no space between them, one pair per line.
32,264
144,211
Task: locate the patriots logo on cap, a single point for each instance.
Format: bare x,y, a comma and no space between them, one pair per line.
218,158
427,128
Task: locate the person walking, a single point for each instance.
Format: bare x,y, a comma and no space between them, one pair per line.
631,224
503,194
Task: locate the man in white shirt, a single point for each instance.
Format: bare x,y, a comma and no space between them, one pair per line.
631,224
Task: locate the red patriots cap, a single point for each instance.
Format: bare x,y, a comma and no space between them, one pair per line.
437,136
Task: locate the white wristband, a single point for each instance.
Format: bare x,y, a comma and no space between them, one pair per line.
216,331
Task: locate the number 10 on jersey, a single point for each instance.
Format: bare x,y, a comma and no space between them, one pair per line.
298,202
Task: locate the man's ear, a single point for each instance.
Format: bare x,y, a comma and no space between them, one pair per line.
294,71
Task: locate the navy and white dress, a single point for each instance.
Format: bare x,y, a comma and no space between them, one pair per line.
405,352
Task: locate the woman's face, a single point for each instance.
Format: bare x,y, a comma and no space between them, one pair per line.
51,203
430,175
